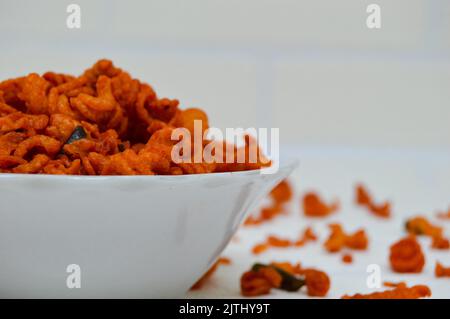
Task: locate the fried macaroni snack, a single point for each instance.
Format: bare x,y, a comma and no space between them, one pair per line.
103,122
285,276
406,256
399,291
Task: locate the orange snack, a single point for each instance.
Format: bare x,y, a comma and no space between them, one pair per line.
278,242
399,291
394,284
338,239
441,271
271,241
254,284
347,258
357,241
259,282
260,248
272,276
317,282
221,261
288,267
265,214
280,195
406,256
103,122
439,242
421,226
308,235
285,276
363,198
274,241
313,206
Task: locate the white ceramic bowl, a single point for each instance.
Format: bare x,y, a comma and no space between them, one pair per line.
131,236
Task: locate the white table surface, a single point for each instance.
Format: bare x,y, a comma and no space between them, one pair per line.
416,181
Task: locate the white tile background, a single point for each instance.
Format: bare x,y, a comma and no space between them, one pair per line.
311,68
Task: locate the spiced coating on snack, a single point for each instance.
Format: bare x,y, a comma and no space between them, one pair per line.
339,239
347,259
399,291
284,276
422,226
363,198
406,256
103,122
314,206
306,236
279,197
441,271
259,282
208,274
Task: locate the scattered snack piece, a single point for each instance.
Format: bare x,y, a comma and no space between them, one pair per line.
444,215
259,280
421,226
439,242
260,248
274,241
347,258
394,284
399,291
308,235
254,284
406,256
441,271
289,281
289,267
279,196
363,198
104,122
278,242
313,206
265,214
317,282
357,241
338,239
221,261
282,193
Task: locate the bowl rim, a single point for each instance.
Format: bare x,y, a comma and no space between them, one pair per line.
8,176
